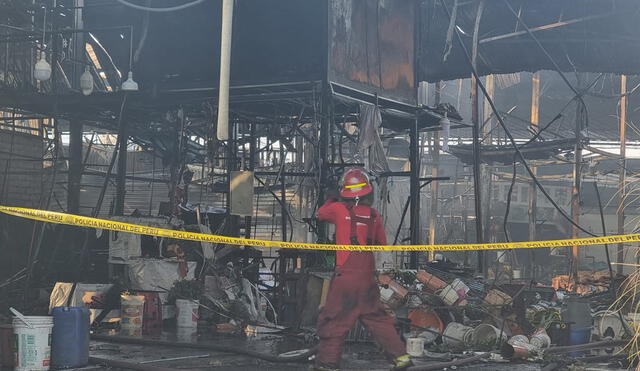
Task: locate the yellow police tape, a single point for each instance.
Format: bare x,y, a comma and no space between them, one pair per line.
83,221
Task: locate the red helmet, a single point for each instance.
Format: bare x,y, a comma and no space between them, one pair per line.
355,183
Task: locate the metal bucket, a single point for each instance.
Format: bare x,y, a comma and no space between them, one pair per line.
457,335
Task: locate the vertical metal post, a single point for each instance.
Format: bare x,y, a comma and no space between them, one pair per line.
75,167
475,120
476,172
622,189
533,191
575,192
323,149
75,126
486,135
435,157
283,194
121,180
414,191
232,165
252,165
78,51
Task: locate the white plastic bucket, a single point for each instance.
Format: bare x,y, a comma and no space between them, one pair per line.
187,313
457,335
33,344
415,347
132,312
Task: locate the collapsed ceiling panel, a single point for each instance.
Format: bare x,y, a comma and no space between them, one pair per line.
583,36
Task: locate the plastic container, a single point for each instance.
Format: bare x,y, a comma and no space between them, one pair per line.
152,313
457,335
132,310
32,345
6,346
394,293
421,319
579,336
517,350
455,293
432,282
497,297
415,347
187,313
70,340
578,312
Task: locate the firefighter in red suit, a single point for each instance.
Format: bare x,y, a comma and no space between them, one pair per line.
354,292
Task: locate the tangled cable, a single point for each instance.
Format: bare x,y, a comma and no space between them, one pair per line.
161,10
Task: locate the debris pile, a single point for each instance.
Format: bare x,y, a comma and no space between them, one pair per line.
446,312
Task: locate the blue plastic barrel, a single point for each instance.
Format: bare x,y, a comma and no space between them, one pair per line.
579,336
70,337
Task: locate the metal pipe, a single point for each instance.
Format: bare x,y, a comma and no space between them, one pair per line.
572,348
126,365
404,213
302,357
225,70
444,365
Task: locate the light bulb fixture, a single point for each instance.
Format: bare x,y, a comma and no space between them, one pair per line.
129,84
86,82
42,69
445,124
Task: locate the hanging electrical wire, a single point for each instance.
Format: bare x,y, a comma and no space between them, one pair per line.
508,133
161,10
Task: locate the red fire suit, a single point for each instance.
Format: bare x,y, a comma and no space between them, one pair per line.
354,293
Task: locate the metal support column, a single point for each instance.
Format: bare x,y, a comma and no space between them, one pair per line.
414,191
75,167
533,190
622,189
75,126
477,175
232,163
475,120
323,151
252,165
575,194
283,194
435,158
121,180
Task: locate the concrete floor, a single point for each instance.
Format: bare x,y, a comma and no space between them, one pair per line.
357,356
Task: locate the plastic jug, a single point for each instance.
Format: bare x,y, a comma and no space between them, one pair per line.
70,338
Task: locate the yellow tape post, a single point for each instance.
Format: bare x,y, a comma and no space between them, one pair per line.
84,221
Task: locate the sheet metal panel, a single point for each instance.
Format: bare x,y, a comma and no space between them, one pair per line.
371,47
